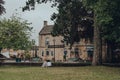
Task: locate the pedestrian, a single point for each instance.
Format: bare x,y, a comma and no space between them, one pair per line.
44,62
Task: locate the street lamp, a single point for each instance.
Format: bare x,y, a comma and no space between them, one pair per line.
54,48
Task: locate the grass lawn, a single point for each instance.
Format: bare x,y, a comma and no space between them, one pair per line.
59,73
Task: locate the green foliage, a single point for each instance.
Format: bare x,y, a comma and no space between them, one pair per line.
15,33
106,22
72,24
30,4
107,13
2,9
71,21
112,26
27,56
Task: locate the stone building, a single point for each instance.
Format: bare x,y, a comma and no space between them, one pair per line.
54,49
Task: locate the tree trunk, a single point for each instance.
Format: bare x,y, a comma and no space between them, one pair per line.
110,53
104,52
97,45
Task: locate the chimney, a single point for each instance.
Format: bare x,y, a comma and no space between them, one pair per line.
45,23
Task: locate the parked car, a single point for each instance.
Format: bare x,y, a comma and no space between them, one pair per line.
74,60
36,59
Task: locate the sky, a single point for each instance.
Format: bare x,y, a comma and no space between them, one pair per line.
41,13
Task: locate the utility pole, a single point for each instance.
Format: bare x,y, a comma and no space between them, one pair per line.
54,48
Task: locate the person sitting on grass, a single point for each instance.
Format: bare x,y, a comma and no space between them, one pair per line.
44,62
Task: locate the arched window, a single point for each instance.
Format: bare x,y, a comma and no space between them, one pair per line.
42,53
47,53
47,41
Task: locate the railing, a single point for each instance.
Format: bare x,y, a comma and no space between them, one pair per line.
56,46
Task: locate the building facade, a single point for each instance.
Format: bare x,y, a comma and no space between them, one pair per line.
54,49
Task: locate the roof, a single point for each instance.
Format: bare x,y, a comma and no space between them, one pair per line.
5,54
2,56
35,47
46,30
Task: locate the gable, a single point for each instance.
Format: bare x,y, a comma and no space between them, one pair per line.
46,30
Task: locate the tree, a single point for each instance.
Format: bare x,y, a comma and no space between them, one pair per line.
110,26
106,16
30,4
2,9
70,22
106,24
96,6
15,33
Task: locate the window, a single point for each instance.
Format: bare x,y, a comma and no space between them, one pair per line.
51,53
42,53
47,41
47,53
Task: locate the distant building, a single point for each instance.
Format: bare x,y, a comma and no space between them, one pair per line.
53,49
10,53
34,51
